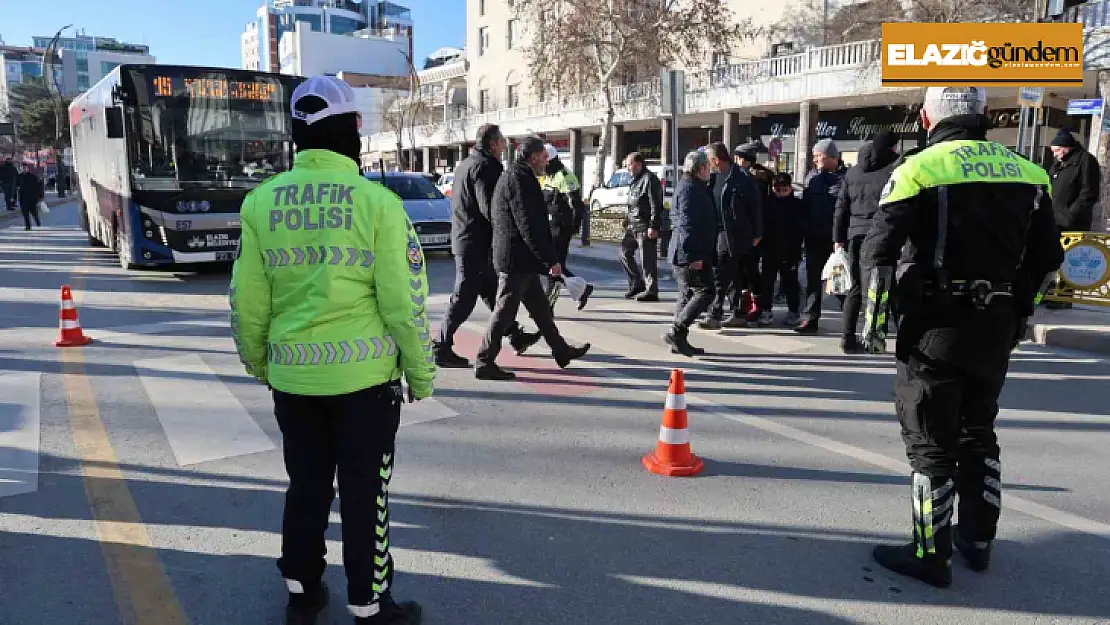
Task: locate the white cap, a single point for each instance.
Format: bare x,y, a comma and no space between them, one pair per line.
552,153
977,95
340,98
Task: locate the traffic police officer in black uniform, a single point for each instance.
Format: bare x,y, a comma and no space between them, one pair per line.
981,239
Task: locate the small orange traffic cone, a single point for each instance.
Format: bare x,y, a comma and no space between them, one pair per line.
672,456
70,334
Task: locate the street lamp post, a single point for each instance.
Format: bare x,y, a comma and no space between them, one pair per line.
48,75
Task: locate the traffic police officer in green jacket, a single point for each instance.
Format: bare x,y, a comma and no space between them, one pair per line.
328,307
981,238
566,210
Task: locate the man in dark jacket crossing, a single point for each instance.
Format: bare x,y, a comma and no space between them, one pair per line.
822,188
693,250
855,208
472,244
522,250
1076,182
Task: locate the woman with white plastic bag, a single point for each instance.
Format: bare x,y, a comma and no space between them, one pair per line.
30,192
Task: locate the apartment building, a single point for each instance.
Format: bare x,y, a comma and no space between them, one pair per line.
85,59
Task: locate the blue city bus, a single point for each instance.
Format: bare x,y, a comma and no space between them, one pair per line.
165,154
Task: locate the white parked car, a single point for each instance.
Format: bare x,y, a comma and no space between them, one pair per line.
614,192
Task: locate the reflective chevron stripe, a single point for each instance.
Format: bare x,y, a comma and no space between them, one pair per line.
298,256
383,562
342,352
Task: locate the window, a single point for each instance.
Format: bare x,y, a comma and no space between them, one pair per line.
483,40
513,33
719,59
512,96
83,82
106,67
484,104
83,65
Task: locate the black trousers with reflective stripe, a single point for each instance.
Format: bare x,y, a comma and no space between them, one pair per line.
351,436
951,369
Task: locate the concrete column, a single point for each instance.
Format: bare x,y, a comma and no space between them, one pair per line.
666,128
427,155
805,139
463,151
413,160
616,145
731,124
576,153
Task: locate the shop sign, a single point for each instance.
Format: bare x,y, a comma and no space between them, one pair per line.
850,125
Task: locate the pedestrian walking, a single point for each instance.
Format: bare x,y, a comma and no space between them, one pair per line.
30,189
472,244
1076,184
746,156
645,216
982,237
522,250
333,340
566,210
693,250
784,223
8,179
855,208
820,192
739,229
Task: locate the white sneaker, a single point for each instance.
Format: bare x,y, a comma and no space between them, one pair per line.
766,318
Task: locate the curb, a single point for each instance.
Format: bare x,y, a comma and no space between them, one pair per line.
1082,338
611,263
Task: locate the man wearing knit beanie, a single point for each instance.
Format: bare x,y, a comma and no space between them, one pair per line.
820,192
1076,182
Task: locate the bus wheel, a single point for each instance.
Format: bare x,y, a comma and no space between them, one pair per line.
87,227
123,250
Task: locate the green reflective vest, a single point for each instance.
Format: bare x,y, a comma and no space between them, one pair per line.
959,162
329,292
564,182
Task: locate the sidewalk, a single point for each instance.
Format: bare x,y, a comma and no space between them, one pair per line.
1085,328
52,200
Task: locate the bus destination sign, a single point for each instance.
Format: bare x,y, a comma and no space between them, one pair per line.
216,88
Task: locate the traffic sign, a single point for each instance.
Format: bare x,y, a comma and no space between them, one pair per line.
1087,106
1031,96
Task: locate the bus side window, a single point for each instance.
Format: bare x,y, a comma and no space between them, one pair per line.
113,121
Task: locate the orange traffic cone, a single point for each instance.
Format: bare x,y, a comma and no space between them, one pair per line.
672,456
70,334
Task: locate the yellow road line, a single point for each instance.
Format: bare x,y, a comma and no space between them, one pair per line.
144,594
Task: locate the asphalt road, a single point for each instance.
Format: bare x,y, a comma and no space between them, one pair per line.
141,482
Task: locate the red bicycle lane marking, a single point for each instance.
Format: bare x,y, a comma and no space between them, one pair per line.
539,373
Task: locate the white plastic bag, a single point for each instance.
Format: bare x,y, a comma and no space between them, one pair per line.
837,274
43,208
576,286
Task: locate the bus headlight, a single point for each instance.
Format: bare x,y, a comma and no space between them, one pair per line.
165,239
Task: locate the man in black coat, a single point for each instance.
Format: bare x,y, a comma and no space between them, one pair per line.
783,225
8,175
645,219
855,208
472,244
30,191
739,228
821,190
693,250
522,250
1076,183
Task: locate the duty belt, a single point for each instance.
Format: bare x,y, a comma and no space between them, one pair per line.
981,292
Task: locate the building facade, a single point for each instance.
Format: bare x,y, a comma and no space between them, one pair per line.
84,58
261,39
305,52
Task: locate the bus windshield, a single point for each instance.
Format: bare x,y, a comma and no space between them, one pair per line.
206,128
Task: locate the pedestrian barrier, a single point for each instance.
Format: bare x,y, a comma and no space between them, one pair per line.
672,456
1084,276
69,332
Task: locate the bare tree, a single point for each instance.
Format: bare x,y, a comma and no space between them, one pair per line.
828,22
598,44
404,110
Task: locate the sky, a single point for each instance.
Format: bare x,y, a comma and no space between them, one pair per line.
195,32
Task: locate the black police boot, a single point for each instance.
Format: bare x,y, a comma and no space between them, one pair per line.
304,607
522,340
404,613
928,557
571,354
585,296
446,358
493,373
979,484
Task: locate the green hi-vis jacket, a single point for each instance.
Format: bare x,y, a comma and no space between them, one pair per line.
329,291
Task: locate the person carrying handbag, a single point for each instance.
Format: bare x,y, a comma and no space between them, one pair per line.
30,191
